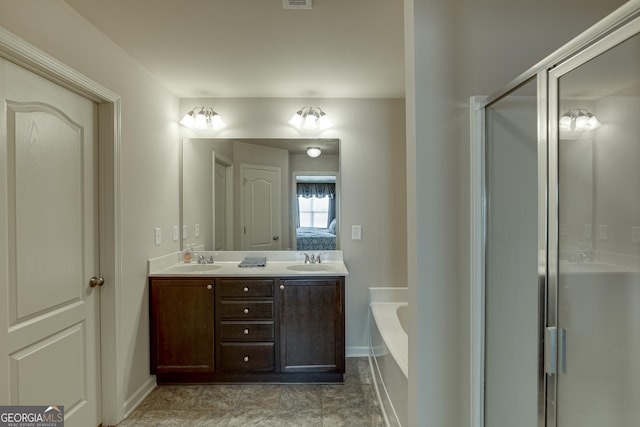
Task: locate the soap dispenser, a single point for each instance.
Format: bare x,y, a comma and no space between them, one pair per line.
186,256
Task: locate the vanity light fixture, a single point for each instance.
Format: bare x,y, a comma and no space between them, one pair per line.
578,120
202,118
314,151
310,118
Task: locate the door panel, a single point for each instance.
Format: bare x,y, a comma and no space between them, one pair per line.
598,380
262,206
49,207
511,269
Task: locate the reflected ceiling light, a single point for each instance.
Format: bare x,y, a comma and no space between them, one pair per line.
310,118
202,118
578,120
314,151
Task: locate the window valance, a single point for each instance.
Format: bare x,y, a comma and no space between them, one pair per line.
316,189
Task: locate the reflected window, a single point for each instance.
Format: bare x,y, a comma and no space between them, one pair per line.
313,212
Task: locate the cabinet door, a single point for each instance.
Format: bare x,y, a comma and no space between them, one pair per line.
312,325
181,325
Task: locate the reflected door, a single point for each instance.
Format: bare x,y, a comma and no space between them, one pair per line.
597,380
261,187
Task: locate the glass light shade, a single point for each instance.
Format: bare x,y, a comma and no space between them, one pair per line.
324,122
313,151
582,123
593,122
296,120
216,122
310,122
201,121
188,120
565,123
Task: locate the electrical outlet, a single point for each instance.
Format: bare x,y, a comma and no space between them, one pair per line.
176,233
158,236
197,230
635,234
184,231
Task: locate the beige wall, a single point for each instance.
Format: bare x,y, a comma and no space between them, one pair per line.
372,175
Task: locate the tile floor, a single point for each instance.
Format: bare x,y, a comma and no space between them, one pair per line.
352,404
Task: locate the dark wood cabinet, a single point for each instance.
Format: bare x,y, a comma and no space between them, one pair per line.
182,344
251,329
245,326
312,325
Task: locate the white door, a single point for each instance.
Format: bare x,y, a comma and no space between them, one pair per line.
219,206
261,207
49,327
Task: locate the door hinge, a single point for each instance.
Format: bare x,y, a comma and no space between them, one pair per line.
551,350
555,350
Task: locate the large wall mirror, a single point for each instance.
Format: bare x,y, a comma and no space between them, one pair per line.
260,194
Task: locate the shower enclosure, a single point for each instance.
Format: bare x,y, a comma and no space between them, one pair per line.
559,241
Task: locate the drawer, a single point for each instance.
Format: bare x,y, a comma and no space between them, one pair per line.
238,309
249,357
233,288
247,331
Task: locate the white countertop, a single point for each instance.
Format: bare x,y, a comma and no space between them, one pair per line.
279,263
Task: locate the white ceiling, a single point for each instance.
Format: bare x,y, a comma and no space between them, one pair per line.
256,48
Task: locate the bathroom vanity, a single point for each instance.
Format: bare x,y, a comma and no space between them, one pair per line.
219,323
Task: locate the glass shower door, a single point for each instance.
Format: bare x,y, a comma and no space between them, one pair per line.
597,143
511,370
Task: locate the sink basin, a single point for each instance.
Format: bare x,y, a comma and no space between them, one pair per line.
192,268
311,267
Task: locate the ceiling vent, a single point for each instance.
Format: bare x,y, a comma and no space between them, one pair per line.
296,4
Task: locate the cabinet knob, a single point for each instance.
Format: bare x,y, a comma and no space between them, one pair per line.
281,286
245,311
209,286
246,289
246,331
246,358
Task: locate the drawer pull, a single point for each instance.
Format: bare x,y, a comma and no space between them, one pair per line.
281,286
246,289
245,311
246,331
246,358
209,286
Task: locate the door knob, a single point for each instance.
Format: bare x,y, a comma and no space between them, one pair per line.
276,237
96,281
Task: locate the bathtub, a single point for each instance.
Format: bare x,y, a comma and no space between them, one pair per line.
388,352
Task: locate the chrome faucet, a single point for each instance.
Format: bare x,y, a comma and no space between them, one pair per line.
312,259
204,260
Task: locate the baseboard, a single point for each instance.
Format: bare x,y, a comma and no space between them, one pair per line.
139,395
357,351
